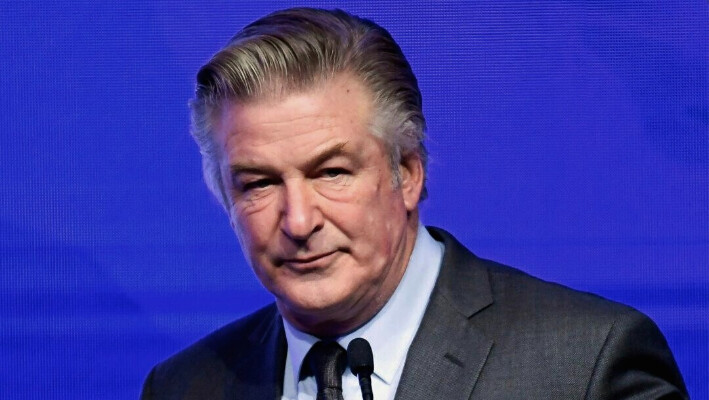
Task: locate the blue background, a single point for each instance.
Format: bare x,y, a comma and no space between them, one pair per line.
569,139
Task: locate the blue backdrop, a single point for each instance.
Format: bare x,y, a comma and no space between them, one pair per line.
569,139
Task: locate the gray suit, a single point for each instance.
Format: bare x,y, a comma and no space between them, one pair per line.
489,332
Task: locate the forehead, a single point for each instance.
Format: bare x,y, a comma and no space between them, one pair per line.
341,105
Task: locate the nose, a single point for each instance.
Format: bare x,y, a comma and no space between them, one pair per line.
301,216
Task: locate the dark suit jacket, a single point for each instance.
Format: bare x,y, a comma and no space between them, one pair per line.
489,332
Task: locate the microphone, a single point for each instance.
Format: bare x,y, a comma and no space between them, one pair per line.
361,361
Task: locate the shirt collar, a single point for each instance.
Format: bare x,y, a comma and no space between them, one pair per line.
391,331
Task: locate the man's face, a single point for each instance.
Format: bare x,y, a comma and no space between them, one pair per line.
313,204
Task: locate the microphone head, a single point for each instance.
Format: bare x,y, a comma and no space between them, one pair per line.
359,357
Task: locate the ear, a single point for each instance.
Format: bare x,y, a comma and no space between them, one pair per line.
412,176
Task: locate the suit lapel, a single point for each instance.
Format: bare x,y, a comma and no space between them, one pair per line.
448,352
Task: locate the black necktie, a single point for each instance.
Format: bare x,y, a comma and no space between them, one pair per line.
327,361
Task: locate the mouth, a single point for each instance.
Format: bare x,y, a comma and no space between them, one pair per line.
309,262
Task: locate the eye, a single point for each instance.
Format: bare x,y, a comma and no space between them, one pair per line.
334,172
257,184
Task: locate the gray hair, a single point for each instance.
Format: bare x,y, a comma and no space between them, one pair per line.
295,49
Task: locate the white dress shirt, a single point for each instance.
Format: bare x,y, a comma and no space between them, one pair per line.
390,332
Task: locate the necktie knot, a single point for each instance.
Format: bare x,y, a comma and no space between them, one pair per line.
327,361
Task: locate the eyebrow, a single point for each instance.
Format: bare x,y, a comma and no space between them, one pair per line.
335,150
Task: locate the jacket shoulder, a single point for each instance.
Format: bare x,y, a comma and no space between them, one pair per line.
210,360
225,341
514,290
518,289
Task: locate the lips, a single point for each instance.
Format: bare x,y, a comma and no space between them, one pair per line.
308,262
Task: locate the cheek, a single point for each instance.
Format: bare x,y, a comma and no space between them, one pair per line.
254,230
254,241
375,223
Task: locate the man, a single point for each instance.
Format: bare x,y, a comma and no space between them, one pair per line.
311,129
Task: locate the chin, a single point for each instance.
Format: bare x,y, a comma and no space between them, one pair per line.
316,306
315,310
